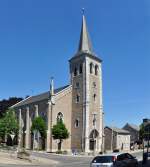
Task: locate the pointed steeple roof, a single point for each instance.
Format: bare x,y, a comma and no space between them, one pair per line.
84,43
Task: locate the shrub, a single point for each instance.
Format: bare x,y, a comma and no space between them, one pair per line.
59,152
116,150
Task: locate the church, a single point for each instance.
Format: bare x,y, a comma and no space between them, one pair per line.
79,104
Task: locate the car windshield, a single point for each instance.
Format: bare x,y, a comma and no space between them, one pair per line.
103,159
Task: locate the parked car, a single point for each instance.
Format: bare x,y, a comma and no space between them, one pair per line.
115,160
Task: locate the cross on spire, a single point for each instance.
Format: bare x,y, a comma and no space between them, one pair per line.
83,10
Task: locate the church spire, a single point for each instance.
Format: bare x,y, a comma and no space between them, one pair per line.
84,43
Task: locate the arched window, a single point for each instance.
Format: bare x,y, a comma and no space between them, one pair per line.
77,98
96,70
76,123
91,68
80,70
75,71
59,117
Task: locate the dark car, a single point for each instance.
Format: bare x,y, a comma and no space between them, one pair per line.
126,160
115,160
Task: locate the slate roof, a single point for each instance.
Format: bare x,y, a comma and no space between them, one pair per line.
85,43
37,98
133,126
118,130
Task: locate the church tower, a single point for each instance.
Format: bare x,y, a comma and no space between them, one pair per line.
87,108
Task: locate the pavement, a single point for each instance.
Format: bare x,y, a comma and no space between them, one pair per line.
10,159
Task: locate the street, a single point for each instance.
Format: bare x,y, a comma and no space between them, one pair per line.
63,161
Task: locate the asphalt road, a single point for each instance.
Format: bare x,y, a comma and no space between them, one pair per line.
74,161
67,161
64,161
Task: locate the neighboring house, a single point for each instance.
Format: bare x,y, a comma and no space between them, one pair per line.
73,103
116,138
134,132
146,123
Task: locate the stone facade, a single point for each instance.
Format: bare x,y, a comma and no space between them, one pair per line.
116,138
79,104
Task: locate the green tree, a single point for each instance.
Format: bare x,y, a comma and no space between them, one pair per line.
2,129
6,103
141,131
60,132
9,124
39,125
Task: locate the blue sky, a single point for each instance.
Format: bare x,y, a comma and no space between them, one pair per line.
37,38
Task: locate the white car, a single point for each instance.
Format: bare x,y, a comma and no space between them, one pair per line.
115,160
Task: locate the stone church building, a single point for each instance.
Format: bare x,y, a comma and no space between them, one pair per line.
79,104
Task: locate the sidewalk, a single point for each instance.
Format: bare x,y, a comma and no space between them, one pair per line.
11,159
6,158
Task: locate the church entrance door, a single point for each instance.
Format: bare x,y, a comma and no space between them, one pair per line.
92,144
93,140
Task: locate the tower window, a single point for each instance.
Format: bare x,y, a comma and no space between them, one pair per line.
77,85
96,70
76,123
75,71
94,84
91,68
80,69
77,99
94,97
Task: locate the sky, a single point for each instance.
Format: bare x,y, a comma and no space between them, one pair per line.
38,37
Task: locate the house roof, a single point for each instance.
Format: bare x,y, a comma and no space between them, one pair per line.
37,98
133,126
118,130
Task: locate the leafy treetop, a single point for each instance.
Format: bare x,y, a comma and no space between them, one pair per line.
39,125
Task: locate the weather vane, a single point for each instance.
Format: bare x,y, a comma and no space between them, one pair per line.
83,10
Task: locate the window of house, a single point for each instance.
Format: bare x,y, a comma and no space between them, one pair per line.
76,123
91,68
75,71
59,117
80,69
96,70
77,99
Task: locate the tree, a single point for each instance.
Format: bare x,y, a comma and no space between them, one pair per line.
60,132
2,129
9,124
141,132
39,125
6,103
